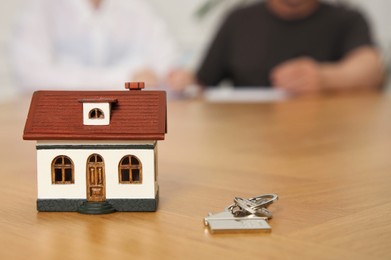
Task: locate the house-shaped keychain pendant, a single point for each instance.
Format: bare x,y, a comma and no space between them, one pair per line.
97,150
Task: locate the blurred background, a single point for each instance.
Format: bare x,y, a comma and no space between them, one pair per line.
191,28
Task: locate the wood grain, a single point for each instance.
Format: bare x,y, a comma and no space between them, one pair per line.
329,159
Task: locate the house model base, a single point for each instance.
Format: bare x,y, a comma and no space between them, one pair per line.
109,206
97,150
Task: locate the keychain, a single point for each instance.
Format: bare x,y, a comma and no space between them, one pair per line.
244,215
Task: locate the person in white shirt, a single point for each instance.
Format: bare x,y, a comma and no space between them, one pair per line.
91,44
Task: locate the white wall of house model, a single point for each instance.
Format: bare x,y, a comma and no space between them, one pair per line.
111,157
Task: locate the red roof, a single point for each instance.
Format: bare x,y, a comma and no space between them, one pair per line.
58,115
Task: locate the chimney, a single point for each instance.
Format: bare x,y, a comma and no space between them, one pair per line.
134,85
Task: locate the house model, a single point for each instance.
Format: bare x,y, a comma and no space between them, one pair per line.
97,150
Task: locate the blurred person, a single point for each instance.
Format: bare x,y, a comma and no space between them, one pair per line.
90,44
302,46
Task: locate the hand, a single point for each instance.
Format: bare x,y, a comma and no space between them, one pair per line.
147,76
298,76
179,79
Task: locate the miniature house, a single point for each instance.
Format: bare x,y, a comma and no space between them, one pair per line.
97,150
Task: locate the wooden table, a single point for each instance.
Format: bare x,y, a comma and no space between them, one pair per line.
329,159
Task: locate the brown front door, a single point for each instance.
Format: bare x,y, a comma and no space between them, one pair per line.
96,190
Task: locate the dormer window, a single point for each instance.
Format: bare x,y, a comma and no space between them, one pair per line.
97,111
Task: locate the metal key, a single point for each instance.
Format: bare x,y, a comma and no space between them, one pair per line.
226,221
244,215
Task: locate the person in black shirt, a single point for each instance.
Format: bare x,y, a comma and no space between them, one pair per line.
303,46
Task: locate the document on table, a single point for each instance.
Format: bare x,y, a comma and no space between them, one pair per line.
243,95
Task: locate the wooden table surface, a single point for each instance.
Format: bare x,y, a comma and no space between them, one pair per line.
328,159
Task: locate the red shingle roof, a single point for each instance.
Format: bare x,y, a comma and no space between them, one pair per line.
58,115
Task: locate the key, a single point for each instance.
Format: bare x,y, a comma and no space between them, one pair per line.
245,215
226,221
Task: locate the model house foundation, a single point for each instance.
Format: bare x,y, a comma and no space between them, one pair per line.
97,150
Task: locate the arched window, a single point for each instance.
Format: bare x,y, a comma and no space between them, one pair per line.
96,113
130,170
62,170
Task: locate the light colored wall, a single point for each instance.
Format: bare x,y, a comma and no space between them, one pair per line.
8,10
114,190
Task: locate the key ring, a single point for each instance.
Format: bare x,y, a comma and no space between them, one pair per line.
265,200
256,205
247,207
